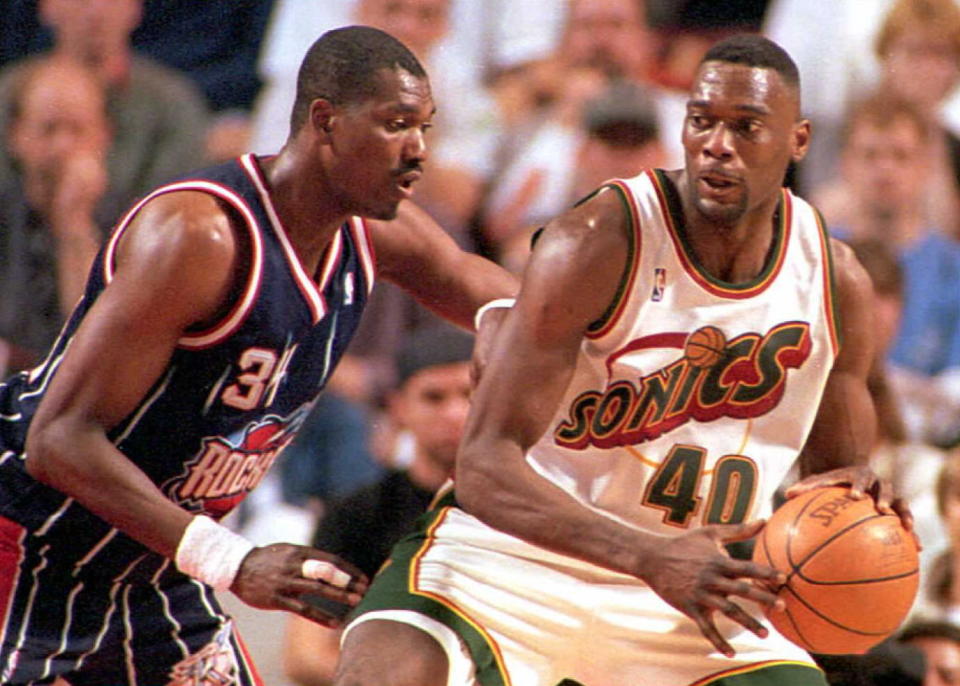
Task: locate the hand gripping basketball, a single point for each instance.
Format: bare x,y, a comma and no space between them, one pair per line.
851,571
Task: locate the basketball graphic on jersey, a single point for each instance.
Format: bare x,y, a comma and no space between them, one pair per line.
705,346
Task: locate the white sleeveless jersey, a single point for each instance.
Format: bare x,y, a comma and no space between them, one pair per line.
692,397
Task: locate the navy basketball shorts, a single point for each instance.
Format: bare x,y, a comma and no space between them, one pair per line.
136,623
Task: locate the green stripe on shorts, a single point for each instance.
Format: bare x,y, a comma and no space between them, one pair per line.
390,591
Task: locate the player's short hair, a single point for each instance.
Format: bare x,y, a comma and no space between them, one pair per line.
754,50
432,346
341,64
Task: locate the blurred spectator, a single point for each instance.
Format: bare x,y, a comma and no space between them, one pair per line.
940,644
940,583
333,453
918,46
220,57
618,136
908,49
890,663
885,172
157,116
605,42
430,403
687,29
54,207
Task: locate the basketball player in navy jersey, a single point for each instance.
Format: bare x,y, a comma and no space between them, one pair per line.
212,318
606,459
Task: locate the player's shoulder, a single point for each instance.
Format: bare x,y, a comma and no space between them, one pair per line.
850,278
603,214
189,224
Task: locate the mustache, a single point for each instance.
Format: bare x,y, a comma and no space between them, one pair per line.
407,168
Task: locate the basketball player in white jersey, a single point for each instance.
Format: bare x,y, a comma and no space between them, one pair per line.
681,338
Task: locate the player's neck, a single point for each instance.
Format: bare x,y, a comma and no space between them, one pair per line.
308,218
736,253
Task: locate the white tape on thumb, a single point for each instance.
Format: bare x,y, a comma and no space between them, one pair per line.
320,570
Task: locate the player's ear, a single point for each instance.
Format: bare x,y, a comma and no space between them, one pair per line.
322,118
801,139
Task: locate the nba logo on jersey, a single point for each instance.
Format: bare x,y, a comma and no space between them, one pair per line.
659,284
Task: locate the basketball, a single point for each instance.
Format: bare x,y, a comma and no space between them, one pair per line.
851,572
704,347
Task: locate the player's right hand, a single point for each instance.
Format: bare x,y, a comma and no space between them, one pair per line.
693,573
274,577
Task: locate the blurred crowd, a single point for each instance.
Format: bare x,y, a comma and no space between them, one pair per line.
538,102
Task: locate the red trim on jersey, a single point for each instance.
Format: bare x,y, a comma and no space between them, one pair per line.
238,313
11,555
714,286
307,285
627,284
247,659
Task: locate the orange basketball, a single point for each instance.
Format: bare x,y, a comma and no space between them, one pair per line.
704,347
851,572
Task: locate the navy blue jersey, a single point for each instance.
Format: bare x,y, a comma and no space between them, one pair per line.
232,396
80,599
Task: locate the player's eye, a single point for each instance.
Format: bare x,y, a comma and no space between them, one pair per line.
698,121
750,127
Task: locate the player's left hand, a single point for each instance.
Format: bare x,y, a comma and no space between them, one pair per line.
280,576
863,482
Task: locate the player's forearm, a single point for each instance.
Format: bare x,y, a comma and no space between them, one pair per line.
508,495
87,467
475,282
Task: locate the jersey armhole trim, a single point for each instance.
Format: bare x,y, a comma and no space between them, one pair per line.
616,308
830,297
365,249
244,304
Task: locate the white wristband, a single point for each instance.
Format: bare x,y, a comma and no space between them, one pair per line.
493,304
211,553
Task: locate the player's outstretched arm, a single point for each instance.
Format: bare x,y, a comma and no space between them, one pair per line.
175,269
838,449
415,253
571,279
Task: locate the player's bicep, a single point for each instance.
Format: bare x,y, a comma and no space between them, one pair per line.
845,426
569,283
169,274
